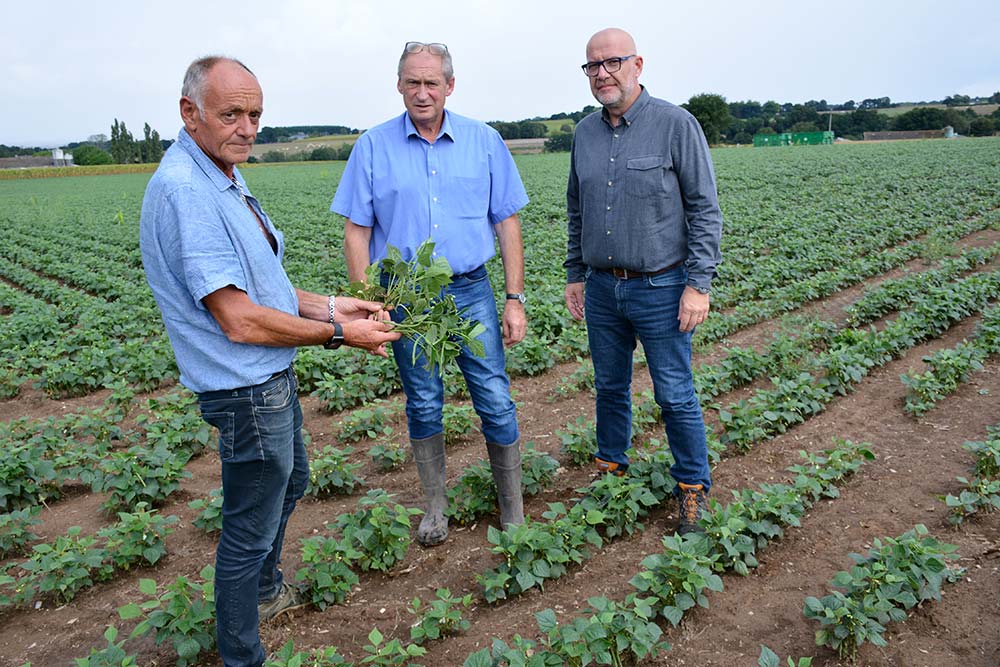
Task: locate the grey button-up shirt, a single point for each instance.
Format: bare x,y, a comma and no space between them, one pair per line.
642,196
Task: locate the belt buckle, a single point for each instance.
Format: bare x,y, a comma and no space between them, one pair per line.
621,274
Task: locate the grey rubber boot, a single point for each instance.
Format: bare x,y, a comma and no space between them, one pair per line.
506,465
429,455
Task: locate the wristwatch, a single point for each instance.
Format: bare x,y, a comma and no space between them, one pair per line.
337,339
701,290
519,296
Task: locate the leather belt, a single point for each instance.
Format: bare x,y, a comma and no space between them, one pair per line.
626,274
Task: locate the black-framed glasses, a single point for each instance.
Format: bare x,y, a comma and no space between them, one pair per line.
611,65
434,48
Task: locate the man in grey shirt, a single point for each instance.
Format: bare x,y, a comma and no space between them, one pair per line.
644,230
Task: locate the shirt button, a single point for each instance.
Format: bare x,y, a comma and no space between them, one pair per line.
435,199
609,183
616,136
433,172
609,232
435,226
609,208
609,258
612,159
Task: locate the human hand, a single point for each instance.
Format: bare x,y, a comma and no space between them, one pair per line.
693,310
574,300
371,335
348,309
515,323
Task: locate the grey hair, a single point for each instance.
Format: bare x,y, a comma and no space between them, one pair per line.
447,69
197,75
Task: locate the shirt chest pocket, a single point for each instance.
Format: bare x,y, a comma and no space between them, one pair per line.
644,176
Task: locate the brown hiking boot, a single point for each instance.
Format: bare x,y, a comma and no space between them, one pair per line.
289,597
616,469
692,504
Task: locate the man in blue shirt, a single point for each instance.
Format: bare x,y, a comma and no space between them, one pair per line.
213,261
644,231
428,173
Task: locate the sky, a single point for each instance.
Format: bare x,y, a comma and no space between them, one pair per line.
68,69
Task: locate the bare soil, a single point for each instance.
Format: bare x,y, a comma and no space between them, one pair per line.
917,461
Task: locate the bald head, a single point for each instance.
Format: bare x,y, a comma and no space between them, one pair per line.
614,39
615,81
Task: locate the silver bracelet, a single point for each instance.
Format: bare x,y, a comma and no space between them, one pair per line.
331,303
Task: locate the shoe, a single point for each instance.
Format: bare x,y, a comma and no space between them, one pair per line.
288,598
616,469
428,453
505,462
692,505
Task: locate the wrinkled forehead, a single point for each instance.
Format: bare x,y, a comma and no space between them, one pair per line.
423,66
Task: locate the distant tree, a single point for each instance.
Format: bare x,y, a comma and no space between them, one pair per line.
151,149
88,154
745,110
559,142
566,127
803,126
984,126
123,148
712,113
770,108
323,153
957,101
848,105
995,98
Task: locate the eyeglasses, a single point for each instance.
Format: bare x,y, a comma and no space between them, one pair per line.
611,65
434,48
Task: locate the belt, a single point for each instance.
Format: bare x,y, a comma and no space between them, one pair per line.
468,274
626,274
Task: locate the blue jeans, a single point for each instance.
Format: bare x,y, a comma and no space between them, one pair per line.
265,470
486,376
619,312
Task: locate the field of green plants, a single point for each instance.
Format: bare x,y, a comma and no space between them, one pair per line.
848,373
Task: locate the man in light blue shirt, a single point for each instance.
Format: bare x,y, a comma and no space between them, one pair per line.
213,261
434,174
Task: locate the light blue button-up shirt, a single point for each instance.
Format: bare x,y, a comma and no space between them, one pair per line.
452,191
197,236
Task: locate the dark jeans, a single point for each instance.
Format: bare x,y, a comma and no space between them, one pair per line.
486,376
264,472
618,312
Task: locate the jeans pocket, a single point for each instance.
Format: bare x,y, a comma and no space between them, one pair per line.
226,423
671,278
276,394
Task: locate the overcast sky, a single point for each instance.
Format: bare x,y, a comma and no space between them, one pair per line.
68,68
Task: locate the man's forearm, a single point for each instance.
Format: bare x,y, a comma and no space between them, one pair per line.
356,254
508,233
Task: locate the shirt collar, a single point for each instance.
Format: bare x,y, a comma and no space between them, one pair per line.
633,111
446,129
211,170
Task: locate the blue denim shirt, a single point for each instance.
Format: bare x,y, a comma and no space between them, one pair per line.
452,191
197,237
642,196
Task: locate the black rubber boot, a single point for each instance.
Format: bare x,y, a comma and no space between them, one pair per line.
506,465
429,455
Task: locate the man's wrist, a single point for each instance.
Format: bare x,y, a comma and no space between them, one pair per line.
517,296
700,289
337,339
331,305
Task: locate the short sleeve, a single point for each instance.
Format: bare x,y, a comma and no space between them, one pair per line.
204,248
507,193
354,198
